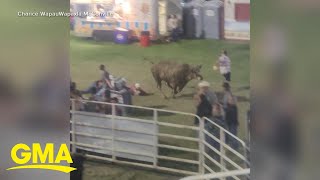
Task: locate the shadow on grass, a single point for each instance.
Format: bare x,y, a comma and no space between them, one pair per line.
188,95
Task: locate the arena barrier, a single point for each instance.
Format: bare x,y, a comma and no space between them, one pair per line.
219,175
158,139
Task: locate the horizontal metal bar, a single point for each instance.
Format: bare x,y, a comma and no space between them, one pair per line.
176,170
134,142
137,142
133,153
90,125
140,107
90,135
134,119
109,149
139,132
90,146
178,126
91,114
133,131
179,137
178,148
110,128
110,117
98,157
110,138
178,159
218,175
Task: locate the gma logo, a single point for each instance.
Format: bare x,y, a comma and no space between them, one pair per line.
35,158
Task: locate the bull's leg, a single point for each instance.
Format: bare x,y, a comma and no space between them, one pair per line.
169,85
159,84
174,91
173,88
181,87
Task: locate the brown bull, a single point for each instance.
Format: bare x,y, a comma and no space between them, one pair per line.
175,75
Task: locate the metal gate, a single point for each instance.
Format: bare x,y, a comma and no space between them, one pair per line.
155,138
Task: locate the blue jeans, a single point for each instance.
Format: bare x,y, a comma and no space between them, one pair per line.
215,132
175,34
233,129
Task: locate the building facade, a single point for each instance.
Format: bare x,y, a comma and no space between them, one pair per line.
237,19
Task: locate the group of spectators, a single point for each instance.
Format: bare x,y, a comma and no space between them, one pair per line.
223,112
106,89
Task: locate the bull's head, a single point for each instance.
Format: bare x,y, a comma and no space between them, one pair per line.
195,73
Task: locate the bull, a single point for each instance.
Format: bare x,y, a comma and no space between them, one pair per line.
176,76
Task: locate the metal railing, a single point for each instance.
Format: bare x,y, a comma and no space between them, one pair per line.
202,137
219,175
227,155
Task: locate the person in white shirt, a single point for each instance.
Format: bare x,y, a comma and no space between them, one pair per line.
224,64
173,27
172,22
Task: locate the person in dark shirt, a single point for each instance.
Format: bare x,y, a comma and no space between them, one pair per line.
91,106
204,108
231,119
74,92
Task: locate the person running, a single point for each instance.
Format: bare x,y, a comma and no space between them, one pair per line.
105,76
224,64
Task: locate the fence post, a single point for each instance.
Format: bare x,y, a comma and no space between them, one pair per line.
222,150
155,120
73,137
201,146
248,137
113,111
247,126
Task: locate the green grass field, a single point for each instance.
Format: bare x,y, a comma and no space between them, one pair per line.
128,61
